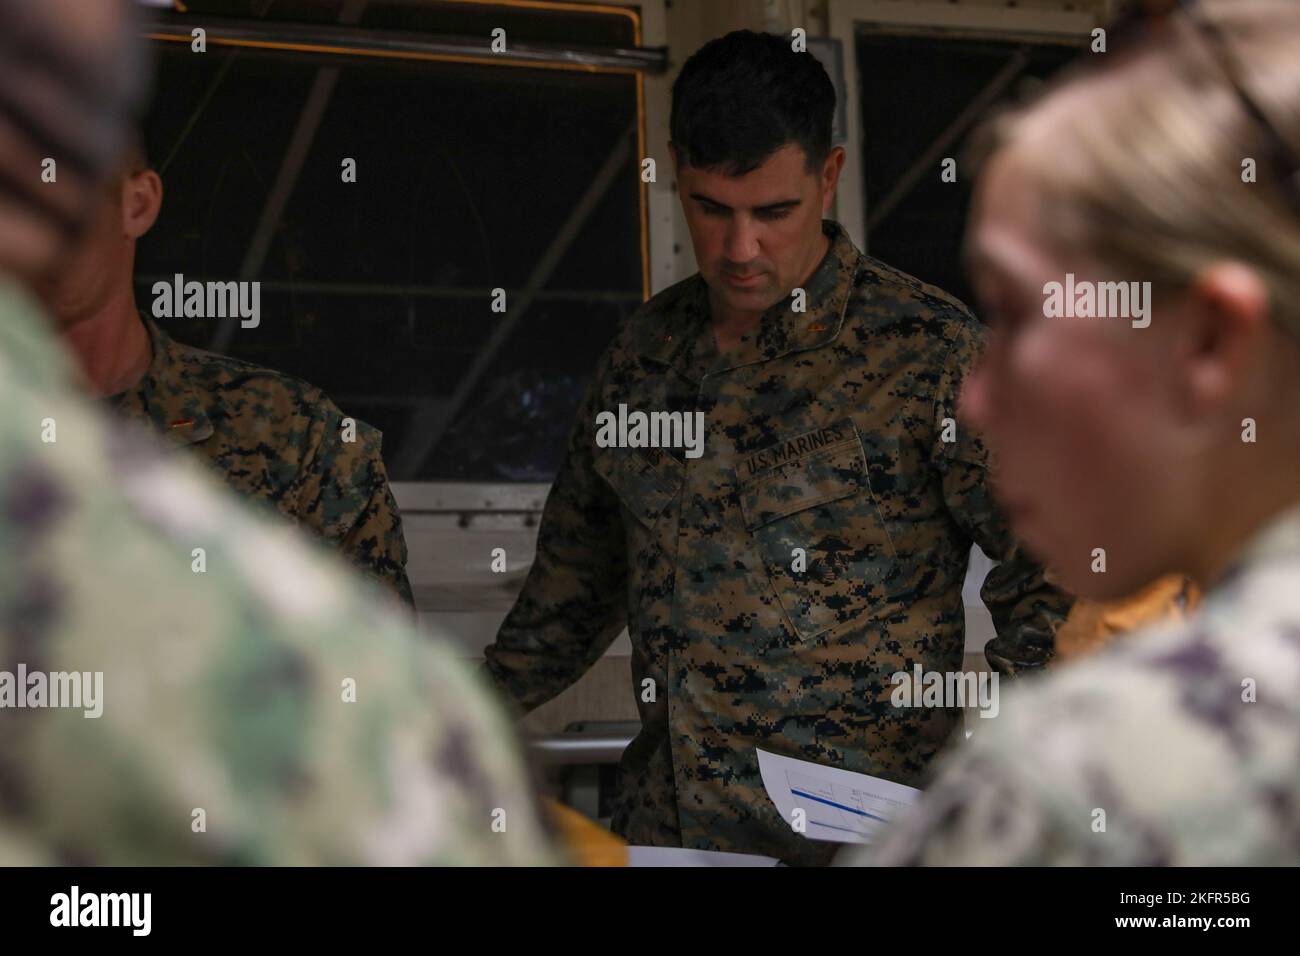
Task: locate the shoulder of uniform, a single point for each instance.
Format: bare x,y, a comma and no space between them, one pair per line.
670,296
225,371
1144,682
932,326
668,311
884,292
667,301
1117,680
235,384
229,376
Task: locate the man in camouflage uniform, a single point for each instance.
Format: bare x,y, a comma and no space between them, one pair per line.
266,710
270,436
772,586
1176,747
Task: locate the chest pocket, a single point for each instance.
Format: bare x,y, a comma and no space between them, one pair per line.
816,525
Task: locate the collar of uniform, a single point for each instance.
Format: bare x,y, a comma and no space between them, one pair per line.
28,341
682,336
165,396
669,331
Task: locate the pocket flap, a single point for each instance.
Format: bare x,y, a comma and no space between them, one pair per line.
643,485
828,474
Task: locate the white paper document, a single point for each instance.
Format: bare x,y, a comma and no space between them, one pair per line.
838,805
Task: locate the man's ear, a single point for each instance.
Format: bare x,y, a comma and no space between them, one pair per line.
831,175
142,195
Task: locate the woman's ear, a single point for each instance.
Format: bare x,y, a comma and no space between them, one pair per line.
1223,326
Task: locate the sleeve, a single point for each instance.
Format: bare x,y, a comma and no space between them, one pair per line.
1026,609
574,600
342,494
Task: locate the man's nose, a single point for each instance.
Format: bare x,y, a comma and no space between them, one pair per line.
741,242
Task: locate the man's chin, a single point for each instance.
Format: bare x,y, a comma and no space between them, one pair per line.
758,299
62,315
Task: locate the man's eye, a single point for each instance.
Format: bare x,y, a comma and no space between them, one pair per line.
712,210
774,215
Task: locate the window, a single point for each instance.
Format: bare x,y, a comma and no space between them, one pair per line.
913,88
380,291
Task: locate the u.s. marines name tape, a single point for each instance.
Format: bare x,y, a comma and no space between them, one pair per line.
798,446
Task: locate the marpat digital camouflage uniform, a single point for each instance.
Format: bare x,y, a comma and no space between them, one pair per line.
222,690
824,432
1187,736
278,439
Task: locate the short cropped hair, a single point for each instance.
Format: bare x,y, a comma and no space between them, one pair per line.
742,97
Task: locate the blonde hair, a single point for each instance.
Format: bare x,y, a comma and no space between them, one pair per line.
1138,155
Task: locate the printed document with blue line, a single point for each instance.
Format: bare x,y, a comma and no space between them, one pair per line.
838,805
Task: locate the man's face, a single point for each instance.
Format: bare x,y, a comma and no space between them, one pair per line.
758,236
94,270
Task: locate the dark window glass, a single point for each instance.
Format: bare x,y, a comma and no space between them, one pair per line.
912,89
380,291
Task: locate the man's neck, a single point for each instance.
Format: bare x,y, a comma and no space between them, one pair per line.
730,327
112,346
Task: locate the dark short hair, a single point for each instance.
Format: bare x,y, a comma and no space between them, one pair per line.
743,96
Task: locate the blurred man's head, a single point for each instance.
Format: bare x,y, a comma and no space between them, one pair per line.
70,82
98,269
1110,434
751,145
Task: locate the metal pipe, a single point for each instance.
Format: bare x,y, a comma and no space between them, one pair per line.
379,290
363,41
569,749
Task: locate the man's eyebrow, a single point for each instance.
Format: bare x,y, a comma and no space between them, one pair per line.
770,207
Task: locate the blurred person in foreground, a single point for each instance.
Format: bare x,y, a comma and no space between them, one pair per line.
1180,745
262,710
